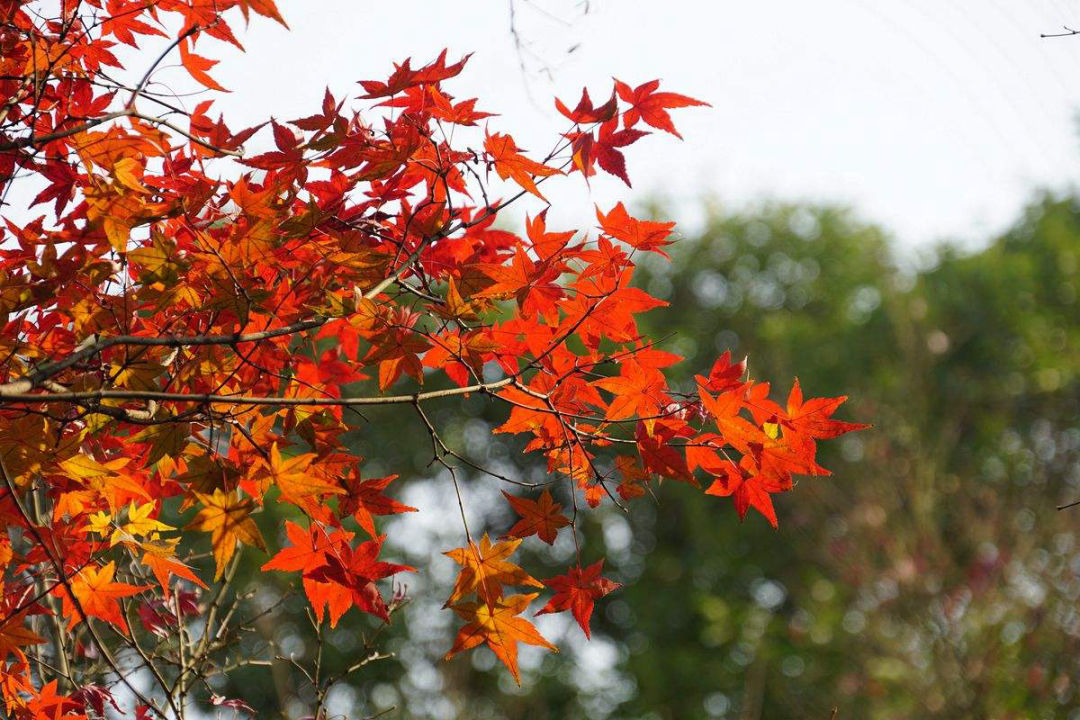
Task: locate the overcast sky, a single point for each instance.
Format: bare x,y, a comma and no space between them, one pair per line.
938,119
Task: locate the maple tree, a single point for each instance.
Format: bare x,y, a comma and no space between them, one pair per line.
191,328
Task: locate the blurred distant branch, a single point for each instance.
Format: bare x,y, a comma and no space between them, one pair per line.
526,55
1074,503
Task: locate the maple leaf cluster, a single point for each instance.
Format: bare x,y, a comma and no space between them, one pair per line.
190,328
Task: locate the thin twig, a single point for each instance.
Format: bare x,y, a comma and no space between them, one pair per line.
1069,32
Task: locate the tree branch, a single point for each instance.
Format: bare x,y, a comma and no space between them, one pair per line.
150,395
39,374
61,134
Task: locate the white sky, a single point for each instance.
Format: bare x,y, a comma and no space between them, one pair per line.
935,118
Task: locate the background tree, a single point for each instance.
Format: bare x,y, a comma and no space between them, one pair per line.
943,581
193,331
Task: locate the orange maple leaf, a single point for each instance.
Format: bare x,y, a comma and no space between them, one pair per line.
48,703
485,570
13,632
197,65
297,481
497,624
266,8
98,595
639,392
509,163
227,517
159,556
724,410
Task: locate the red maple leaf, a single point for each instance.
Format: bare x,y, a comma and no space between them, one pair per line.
357,570
651,106
404,76
308,552
750,488
812,420
577,591
585,113
724,375
365,499
659,455
639,234
538,517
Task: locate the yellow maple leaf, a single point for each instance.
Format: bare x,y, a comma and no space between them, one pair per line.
227,517
485,569
139,524
100,522
84,467
295,478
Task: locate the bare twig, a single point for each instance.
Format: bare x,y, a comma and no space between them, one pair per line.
1069,32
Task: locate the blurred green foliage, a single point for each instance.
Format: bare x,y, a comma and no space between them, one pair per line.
931,577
